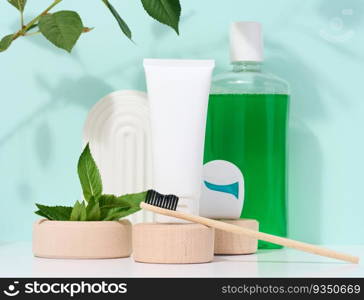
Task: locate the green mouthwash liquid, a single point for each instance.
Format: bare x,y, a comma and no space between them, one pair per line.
249,130
245,172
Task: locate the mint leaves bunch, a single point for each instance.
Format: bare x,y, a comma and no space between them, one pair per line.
96,206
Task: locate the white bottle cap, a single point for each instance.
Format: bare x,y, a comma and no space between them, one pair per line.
246,43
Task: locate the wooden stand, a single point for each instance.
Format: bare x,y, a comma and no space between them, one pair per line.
173,243
91,239
253,233
232,243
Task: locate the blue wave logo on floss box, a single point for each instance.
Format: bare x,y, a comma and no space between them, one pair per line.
222,190
232,189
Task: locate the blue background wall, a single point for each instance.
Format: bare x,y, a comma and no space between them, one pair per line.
317,45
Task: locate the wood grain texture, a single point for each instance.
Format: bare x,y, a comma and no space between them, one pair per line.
227,242
254,234
174,243
89,239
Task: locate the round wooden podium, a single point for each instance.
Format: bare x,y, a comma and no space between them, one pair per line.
232,243
173,243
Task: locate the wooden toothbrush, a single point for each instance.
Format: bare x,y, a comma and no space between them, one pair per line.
167,204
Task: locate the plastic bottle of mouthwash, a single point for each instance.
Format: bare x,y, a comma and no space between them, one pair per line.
246,137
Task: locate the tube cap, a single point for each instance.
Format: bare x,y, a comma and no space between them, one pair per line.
246,43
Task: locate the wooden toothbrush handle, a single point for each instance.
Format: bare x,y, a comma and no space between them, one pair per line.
253,234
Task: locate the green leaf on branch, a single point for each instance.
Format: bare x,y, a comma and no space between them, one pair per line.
87,29
32,27
62,28
89,175
59,213
5,42
167,12
123,26
18,4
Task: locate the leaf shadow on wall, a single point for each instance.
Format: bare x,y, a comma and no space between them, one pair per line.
82,92
25,191
132,70
304,151
43,145
43,136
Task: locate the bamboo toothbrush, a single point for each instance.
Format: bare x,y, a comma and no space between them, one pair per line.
167,204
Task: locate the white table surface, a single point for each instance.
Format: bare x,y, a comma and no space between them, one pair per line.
16,260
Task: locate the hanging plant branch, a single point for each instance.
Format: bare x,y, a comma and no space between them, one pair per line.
19,5
63,28
167,12
123,26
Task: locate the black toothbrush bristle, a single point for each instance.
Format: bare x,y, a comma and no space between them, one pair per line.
162,201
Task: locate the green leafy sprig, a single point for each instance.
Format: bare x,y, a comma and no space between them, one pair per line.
96,206
63,28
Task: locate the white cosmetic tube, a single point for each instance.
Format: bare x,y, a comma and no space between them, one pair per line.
178,92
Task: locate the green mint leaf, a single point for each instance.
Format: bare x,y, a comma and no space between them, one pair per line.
103,208
117,213
89,175
108,203
57,213
93,210
39,213
114,208
167,12
111,201
5,42
78,212
123,26
18,4
134,199
62,28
